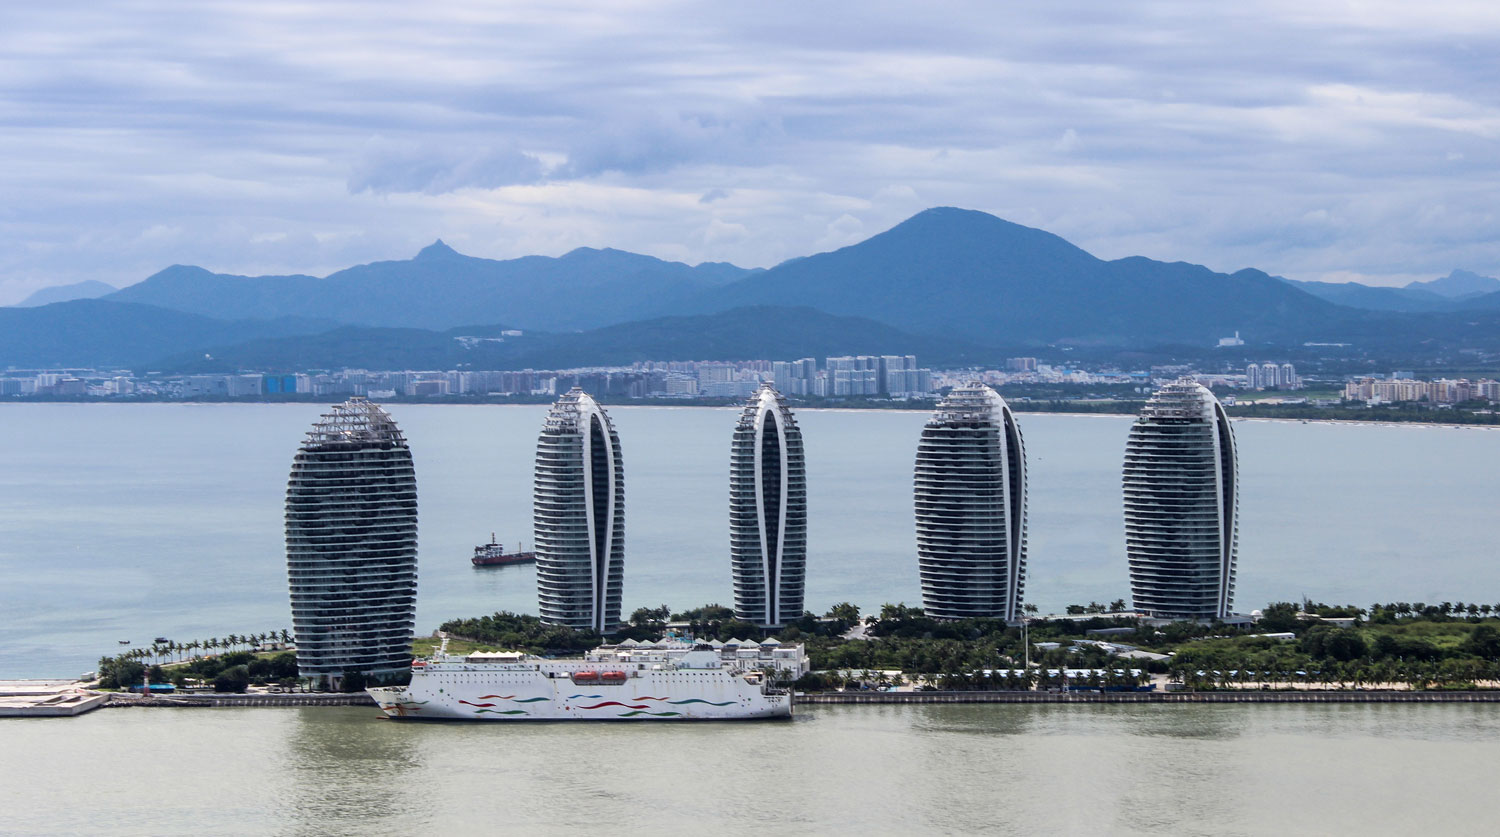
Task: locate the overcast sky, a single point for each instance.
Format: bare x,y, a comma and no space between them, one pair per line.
1317,140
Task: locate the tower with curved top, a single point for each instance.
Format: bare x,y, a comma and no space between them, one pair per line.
578,515
1181,486
971,508
768,512
351,545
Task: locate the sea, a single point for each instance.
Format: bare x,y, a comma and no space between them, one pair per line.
127,522
1178,769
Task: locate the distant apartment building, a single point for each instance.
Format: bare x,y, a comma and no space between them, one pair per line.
1272,376
578,512
1441,391
1020,364
970,501
768,512
1181,491
351,545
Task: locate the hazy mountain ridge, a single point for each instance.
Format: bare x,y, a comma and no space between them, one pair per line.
1458,291
967,273
737,334
965,279
93,332
440,288
87,289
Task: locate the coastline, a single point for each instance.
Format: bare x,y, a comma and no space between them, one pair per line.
1183,697
117,700
736,406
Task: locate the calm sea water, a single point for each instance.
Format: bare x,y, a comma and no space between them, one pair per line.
997,769
135,521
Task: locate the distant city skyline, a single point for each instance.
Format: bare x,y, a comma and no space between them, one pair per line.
1314,142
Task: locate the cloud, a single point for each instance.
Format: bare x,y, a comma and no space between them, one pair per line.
385,167
289,137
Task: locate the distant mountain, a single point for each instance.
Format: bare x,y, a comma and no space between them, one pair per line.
442,288
87,289
983,279
955,278
1374,298
739,334
93,332
1459,284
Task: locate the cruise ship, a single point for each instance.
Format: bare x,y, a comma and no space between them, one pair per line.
664,681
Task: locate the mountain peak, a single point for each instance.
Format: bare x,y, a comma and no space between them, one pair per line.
1458,284
87,289
437,250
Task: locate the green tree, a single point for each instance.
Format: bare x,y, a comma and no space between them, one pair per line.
234,679
1483,642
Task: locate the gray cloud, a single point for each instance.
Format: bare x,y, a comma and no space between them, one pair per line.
384,167
283,137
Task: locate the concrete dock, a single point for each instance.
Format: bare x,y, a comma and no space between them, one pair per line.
46,699
1289,696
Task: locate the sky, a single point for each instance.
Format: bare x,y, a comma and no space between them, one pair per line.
1330,141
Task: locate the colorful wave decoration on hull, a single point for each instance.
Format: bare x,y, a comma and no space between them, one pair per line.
637,712
686,701
502,711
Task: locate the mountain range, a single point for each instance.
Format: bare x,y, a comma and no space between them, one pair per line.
947,283
1458,291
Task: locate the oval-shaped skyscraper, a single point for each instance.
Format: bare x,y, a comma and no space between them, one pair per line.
351,545
971,508
578,514
768,512
1181,504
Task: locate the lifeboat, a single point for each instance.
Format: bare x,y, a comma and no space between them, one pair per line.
613,677
585,677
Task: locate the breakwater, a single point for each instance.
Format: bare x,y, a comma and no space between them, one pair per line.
181,701
1309,696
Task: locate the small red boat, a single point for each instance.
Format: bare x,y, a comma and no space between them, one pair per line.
493,554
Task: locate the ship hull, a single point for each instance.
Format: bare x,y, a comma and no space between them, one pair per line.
472,693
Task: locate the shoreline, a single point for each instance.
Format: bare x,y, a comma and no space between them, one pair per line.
1227,696
800,408
117,700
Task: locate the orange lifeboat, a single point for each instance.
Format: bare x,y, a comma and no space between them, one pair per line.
613,677
585,677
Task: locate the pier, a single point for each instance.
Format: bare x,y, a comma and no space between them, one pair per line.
200,700
1290,696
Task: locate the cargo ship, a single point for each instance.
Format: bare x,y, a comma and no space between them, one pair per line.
493,554
655,682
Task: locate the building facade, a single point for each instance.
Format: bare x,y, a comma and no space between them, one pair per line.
970,492
768,512
351,545
1181,486
578,515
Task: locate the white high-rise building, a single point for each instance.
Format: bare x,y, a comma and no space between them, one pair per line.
351,545
768,512
970,492
1181,485
578,515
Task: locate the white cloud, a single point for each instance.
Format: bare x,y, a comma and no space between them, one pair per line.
293,137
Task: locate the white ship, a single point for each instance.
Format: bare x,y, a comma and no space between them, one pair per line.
654,682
